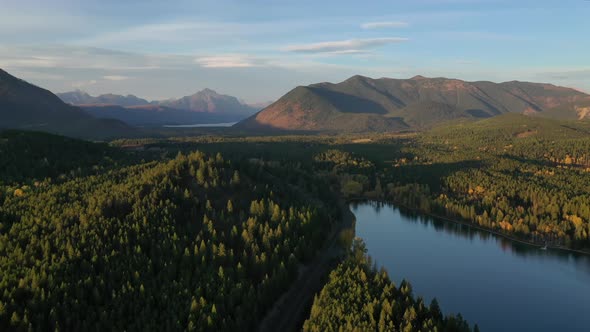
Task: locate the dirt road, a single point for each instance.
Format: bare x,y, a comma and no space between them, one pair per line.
291,309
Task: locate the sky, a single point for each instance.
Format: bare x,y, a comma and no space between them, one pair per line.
257,50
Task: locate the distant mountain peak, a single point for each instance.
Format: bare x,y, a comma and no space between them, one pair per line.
208,91
79,97
208,100
358,78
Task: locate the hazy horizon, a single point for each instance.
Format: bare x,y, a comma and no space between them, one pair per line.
260,50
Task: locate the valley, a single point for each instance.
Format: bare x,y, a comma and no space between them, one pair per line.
221,166
266,204
197,214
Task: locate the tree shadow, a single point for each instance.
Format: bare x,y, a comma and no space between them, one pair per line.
533,162
350,104
430,174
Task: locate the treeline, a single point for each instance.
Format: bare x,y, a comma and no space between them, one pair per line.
525,179
521,176
37,156
358,297
540,204
196,243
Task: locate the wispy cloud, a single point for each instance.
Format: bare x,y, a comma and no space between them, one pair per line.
76,57
28,61
35,25
83,84
350,46
229,61
38,75
162,32
384,25
177,33
116,77
98,71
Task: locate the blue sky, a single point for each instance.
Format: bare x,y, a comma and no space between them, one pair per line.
258,50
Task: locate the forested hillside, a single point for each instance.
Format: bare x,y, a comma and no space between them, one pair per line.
522,177
36,156
162,237
357,297
195,243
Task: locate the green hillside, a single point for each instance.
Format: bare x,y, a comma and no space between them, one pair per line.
196,242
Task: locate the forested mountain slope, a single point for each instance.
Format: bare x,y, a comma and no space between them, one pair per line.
359,103
35,156
196,243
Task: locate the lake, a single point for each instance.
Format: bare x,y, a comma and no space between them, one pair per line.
499,284
202,125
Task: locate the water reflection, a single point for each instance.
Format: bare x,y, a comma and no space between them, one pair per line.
482,275
474,234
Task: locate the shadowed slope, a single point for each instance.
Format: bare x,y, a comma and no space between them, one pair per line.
364,104
26,106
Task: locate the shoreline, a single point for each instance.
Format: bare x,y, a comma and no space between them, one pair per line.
475,226
291,309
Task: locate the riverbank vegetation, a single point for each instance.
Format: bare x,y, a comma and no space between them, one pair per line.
358,297
521,176
524,179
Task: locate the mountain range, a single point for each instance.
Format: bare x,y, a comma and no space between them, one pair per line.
206,106
79,97
359,104
26,106
209,101
365,104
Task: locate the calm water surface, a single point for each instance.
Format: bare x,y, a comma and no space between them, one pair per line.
202,125
499,284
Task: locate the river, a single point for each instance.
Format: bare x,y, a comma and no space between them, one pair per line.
499,284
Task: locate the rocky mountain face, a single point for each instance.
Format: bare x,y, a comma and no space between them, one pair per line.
209,101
